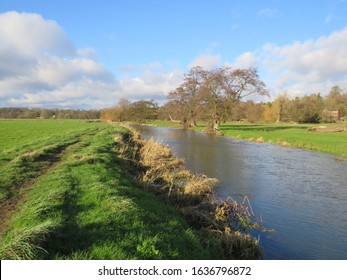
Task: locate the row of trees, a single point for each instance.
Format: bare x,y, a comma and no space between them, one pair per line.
125,110
309,109
38,113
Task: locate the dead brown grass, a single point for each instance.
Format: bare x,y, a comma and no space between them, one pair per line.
200,185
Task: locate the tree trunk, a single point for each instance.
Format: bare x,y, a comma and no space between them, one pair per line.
193,123
214,126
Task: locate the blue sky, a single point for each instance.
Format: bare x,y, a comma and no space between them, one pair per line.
88,54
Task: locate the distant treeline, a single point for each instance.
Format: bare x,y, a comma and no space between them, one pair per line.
38,113
311,108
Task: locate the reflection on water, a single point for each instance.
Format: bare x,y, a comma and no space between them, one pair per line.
302,195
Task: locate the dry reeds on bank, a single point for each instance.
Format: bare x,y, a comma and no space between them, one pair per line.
192,194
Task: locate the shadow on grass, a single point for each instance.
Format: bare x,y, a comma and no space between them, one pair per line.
139,227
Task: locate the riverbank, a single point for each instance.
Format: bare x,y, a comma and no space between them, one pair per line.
287,186
68,192
290,135
222,222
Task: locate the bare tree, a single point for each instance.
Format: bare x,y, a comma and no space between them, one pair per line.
213,95
178,107
223,88
185,99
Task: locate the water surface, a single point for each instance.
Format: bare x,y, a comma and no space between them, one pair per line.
300,194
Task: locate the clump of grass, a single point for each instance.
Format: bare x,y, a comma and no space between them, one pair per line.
236,243
341,158
27,244
199,185
284,143
239,216
160,163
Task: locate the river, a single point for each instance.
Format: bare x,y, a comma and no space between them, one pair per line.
301,195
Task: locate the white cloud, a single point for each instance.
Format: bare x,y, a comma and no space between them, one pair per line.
246,60
40,67
208,61
29,35
153,83
87,53
310,66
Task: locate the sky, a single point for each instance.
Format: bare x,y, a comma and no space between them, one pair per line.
88,54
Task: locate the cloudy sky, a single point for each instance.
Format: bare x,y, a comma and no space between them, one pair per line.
89,54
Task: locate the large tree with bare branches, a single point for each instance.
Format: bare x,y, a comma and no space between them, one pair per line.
213,94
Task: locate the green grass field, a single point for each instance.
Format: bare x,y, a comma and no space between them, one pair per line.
297,136
66,194
294,135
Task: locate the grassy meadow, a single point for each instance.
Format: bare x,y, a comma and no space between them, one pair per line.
67,194
293,135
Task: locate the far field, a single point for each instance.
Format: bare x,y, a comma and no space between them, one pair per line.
65,193
294,135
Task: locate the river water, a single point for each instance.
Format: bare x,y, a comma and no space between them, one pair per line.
301,195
